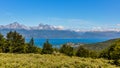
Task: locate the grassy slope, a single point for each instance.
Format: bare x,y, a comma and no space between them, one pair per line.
100,45
50,61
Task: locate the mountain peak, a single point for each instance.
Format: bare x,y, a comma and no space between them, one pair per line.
16,25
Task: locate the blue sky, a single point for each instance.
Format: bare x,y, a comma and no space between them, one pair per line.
71,14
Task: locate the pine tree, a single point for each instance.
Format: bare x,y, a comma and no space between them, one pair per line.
31,48
47,48
16,42
31,43
2,43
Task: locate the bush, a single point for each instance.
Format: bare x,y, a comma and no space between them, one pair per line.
67,49
117,62
112,53
82,52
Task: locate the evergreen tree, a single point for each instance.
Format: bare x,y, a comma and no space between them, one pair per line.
31,43
16,42
2,43
32,48
47,48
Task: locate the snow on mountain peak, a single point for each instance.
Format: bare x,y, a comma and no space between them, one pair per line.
16,25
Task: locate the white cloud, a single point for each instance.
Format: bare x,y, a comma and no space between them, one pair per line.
118,24
105,29
81,25
97,29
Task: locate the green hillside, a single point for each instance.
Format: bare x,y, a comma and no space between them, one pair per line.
100,45
50,61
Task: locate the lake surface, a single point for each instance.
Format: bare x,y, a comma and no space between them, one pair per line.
59,42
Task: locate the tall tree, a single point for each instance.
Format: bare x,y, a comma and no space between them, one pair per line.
31,43
47,48
2,43
15,41
31,48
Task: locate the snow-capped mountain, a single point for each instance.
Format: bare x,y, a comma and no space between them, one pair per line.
16,25
49,31
40,31
47,27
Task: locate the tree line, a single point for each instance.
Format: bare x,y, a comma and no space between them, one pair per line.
15,43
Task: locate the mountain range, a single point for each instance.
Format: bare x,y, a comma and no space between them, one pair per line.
49,31
16,25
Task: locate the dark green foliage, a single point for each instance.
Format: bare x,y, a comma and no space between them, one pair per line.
32,48
112,52
104,54
31,43
93,54
56,49
116,62
100,45
16,42
82,52
67,49
2,43
47,48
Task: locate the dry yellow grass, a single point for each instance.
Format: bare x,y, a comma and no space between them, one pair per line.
50,61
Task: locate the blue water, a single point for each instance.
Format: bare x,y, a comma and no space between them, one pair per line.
59,42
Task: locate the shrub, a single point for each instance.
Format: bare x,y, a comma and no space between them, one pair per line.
82,52
67,49
117,62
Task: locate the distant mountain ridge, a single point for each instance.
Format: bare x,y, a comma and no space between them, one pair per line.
49,31
40,31
16,25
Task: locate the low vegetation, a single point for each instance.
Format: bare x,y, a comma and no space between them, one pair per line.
50,61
